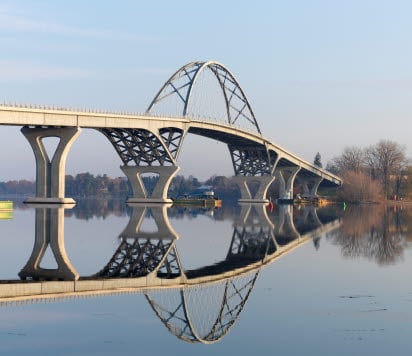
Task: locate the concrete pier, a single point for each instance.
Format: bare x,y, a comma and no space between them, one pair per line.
159,193
50,172
247,195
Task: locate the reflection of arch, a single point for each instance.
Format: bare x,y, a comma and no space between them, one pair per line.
181,84
226,284
49,232
175,311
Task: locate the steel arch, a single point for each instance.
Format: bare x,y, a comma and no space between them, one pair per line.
231,90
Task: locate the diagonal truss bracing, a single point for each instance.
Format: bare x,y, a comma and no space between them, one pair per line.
250,160
144,148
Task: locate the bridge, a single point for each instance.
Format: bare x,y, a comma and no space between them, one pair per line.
148,263
151,142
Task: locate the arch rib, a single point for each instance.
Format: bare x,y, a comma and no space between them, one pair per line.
230,87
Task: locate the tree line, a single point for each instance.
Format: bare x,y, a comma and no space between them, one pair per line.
373,173
88,185
377,172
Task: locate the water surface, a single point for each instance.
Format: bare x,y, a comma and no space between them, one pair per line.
236,280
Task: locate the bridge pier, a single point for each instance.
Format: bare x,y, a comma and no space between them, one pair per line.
247,195
159,192
50,173
310,185
286,177
49,232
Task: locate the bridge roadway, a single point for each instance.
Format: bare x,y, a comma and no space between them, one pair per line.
232,135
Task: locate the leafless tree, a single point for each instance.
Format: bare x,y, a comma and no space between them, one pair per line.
352,159
386,160
360,187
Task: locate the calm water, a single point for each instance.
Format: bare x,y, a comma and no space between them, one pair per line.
242,280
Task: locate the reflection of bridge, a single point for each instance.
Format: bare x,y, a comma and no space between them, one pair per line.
149,262
151,144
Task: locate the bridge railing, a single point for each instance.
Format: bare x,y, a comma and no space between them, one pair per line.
54,109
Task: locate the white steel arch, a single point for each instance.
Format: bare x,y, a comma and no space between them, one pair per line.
182,82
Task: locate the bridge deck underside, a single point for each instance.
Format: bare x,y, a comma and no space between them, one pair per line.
224,137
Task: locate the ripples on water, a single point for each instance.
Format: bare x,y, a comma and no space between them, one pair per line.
241,279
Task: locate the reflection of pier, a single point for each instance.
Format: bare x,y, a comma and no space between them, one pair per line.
148,262
141,252
49,232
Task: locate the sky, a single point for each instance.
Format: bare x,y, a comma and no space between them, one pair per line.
320,75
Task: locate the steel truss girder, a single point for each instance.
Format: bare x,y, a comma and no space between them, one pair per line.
143,147
250,160
182,82
172,137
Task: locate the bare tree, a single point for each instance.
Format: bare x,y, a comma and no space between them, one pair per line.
352,159
386,160
360,187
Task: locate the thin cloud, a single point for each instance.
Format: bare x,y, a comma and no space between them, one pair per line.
14,70
357,83
10,22
24,71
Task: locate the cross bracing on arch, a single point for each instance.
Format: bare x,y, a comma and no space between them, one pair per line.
180,85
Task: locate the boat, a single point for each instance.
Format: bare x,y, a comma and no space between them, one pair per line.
6,209
6,205
206,199
315,201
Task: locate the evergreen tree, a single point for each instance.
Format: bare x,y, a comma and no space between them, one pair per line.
317,161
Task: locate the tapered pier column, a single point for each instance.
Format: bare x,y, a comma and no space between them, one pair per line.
253,189
159,192
50,173
286,178
311,185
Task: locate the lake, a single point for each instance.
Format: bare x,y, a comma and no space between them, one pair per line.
104,278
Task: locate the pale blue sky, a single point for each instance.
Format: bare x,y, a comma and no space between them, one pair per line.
320,75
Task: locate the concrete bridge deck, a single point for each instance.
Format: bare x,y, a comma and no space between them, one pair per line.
42,117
